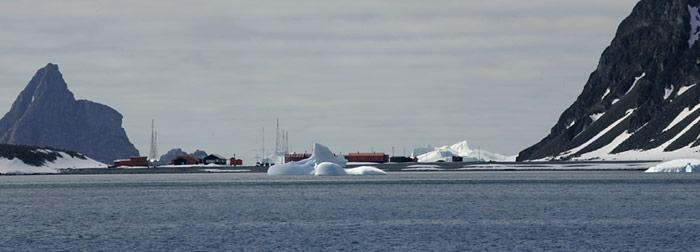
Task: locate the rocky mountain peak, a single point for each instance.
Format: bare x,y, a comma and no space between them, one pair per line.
46,114
641,100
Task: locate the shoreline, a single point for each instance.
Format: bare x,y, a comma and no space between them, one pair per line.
572,166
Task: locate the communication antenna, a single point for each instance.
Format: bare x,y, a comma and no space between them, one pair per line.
263,145
478,148
154,141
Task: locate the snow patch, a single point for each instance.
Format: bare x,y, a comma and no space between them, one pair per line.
607,92
684,88
599,135
423,169
225,171
694,25
65,161
615,101
571,124
605,150
636,80
686,129
678,165
597,116
667,92
685,113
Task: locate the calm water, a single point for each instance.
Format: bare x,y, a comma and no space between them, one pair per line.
403,211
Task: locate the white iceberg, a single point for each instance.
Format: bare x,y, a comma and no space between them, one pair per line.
678,165
461,149
321,163
365,171
329,169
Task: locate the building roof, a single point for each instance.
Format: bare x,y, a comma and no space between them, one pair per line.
366,154
214,156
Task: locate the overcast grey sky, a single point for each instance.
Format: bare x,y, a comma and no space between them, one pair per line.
354,75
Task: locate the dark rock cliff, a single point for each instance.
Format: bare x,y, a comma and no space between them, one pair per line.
46,114
644,82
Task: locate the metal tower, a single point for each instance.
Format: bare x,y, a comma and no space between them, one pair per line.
154,141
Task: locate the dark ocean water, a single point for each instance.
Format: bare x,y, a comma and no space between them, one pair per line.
521,211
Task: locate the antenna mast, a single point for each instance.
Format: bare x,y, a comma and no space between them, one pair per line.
277,137
154,141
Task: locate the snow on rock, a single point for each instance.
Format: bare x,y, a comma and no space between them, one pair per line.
607,92
685,113
678,165
683,89
667,92
461,149
365,171
636,80
600,134
321,163
595,117
694,25
64,161
329,169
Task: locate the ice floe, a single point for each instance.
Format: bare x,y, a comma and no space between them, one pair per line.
678,165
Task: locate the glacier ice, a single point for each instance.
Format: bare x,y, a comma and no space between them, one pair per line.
678,165
329,169
365,171
461,149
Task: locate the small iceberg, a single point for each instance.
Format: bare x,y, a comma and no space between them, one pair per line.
329,169
678,165
321,163
365,171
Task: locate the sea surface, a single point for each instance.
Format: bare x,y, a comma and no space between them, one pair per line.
438,211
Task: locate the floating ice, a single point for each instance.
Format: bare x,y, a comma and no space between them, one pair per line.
329,169
321,163
365,171
678,165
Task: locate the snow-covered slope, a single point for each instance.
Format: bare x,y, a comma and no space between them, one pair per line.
31,160
461,149
642,101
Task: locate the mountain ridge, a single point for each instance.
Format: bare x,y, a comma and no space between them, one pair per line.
46,113
644,82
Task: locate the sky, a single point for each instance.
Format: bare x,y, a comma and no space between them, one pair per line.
354,75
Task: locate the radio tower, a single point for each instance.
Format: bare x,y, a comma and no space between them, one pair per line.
278,145
286,142
154,141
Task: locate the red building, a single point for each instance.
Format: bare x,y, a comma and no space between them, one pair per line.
373,157
292,157
235,162
132,162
